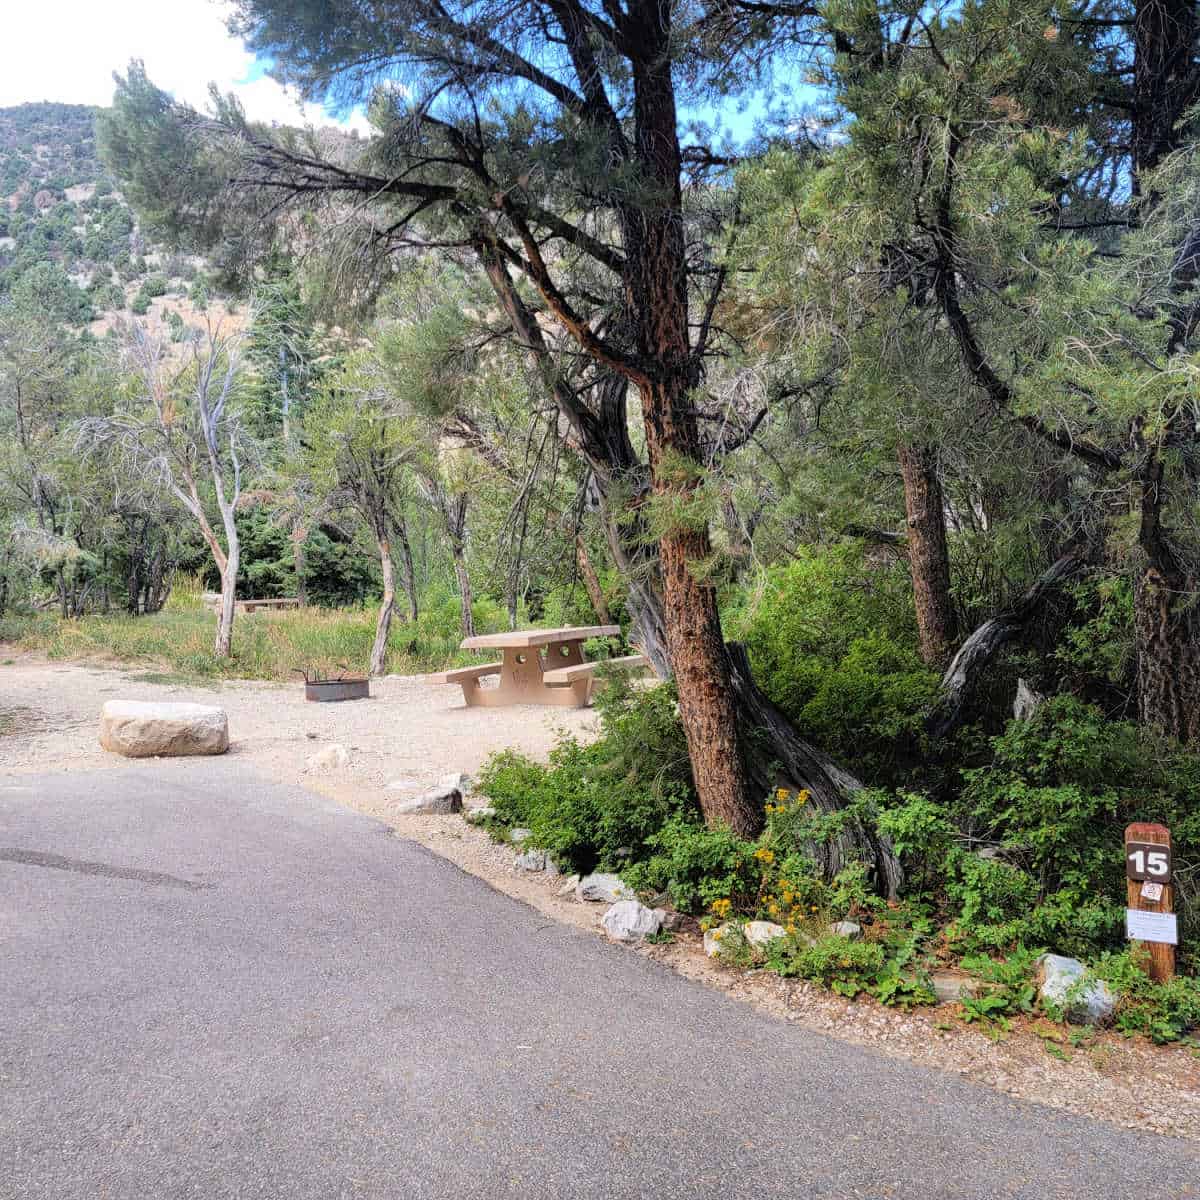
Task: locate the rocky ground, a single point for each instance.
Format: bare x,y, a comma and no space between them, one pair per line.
411,734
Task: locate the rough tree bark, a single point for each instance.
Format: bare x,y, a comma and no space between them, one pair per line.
928,556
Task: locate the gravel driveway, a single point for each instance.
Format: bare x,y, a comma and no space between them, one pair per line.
409,732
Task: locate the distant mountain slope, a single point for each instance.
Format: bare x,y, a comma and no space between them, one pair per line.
70,244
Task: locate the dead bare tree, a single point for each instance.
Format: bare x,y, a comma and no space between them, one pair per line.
187,436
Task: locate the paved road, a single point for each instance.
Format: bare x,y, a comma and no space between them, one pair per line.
211,987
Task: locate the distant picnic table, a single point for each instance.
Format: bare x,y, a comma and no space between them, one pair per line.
537,666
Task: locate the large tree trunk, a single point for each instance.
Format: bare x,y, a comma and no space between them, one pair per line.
1166,621
387,606
928,556
1166,618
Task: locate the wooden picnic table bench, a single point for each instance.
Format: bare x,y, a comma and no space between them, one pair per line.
538,666
213,600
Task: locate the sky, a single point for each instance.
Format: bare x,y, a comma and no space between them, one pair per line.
67,50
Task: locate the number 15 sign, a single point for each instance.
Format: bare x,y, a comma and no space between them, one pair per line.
1148,861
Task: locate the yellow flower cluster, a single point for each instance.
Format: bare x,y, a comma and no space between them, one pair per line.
785,800
721,907
764,855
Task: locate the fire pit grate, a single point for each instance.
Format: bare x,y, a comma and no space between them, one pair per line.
325,689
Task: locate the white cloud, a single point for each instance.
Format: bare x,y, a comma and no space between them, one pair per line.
67,50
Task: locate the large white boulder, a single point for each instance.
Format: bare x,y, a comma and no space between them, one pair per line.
148,729
630,921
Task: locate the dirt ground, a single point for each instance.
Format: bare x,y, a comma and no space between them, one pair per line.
410,734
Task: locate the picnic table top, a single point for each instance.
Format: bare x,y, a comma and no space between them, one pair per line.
519,639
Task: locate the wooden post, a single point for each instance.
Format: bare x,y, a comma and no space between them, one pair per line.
1162,955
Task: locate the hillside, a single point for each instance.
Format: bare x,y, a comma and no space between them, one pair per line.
69,243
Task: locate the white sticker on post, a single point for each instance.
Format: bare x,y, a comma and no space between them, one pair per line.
1143,926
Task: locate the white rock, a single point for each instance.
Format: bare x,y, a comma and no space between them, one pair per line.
482,813
518,835
1058,978
531,860
139,729
328,758
759,933
714,937
846,929
602,886
456,779
438,802
630,921
569,885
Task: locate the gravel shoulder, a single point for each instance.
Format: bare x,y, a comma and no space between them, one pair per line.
413,733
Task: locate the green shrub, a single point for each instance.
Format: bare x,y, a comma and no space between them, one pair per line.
832,642
1163,1012
601,805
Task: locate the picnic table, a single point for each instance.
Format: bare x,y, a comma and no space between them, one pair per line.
537,666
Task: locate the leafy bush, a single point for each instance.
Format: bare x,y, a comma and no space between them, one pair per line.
1163,1012
601,805
832,643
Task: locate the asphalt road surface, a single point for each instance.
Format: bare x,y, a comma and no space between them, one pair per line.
215,987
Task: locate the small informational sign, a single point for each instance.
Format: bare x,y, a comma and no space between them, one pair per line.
1142,925
1152,892
1148,860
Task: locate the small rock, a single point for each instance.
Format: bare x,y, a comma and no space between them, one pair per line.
455,780
949,987
846,929
759,933
531,860
439,802
623,852
572,882
714,937
630,921
146,729
603,886
552,867
482,813
1057,976
519,835
329,758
